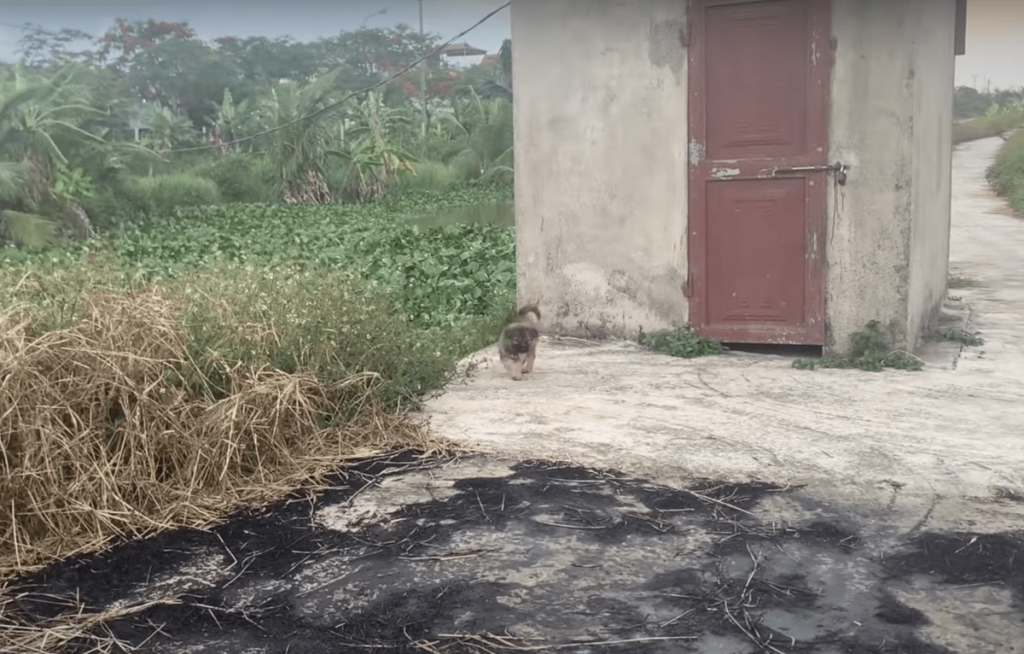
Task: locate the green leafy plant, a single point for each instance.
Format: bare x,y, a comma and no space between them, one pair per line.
959,281
955,336
682,342
242,178
1006,175
869,350
160,194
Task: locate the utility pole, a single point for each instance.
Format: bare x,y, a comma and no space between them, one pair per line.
423,84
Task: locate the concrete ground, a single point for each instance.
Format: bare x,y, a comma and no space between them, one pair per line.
943,447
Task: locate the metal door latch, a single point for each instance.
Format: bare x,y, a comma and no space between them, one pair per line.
838,168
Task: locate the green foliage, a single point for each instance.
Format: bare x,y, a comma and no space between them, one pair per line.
52,287
999,121
1007,173
370,147
427,176
166,129
969,103
682,342
439,276
869,350
32,231
161,194
955,336
474,136
959,281
241,178
45,139
294,318
290,317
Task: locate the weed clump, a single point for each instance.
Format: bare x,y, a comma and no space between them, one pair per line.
959,281
1007,173
682,342
869,350
955,336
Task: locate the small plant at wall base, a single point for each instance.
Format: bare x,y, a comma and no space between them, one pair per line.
955,336
959,281
869,350
682,342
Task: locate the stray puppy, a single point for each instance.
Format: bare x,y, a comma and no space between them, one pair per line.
517,346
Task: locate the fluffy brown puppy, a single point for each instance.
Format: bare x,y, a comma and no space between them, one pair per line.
517,346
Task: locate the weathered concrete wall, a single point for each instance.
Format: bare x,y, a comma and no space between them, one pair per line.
601,197
887,122
933,147
601,170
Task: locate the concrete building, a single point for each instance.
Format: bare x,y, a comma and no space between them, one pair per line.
766,171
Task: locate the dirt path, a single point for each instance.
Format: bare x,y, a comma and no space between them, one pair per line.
945,444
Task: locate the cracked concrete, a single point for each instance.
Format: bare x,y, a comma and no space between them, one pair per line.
943,447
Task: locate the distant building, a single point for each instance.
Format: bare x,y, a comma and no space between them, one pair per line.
462,55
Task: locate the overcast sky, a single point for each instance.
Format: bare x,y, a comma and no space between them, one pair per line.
304,20
995,45
995,28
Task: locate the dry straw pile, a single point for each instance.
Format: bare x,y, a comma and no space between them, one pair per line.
103,433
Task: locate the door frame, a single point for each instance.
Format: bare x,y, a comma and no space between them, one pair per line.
812,331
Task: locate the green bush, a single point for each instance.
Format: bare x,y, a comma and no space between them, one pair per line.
241,178
683,342
429,176
116,204
158,196
467,165
1007,173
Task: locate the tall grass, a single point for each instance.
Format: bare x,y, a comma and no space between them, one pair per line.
225,356
428,176
160,406
1007,173
986,126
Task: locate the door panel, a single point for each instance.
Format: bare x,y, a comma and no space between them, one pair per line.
758,100
752,219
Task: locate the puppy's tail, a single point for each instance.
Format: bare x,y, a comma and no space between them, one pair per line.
530,314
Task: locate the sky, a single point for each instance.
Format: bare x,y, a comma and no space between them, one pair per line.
995,45
995,28
303,20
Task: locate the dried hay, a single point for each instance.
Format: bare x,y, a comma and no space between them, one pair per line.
103,433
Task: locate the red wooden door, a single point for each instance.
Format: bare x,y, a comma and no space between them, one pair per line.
759,72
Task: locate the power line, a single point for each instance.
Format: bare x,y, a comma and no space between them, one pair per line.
348,97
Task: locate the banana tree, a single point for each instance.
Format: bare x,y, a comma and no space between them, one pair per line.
39,120
484,126
370,137
304,120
